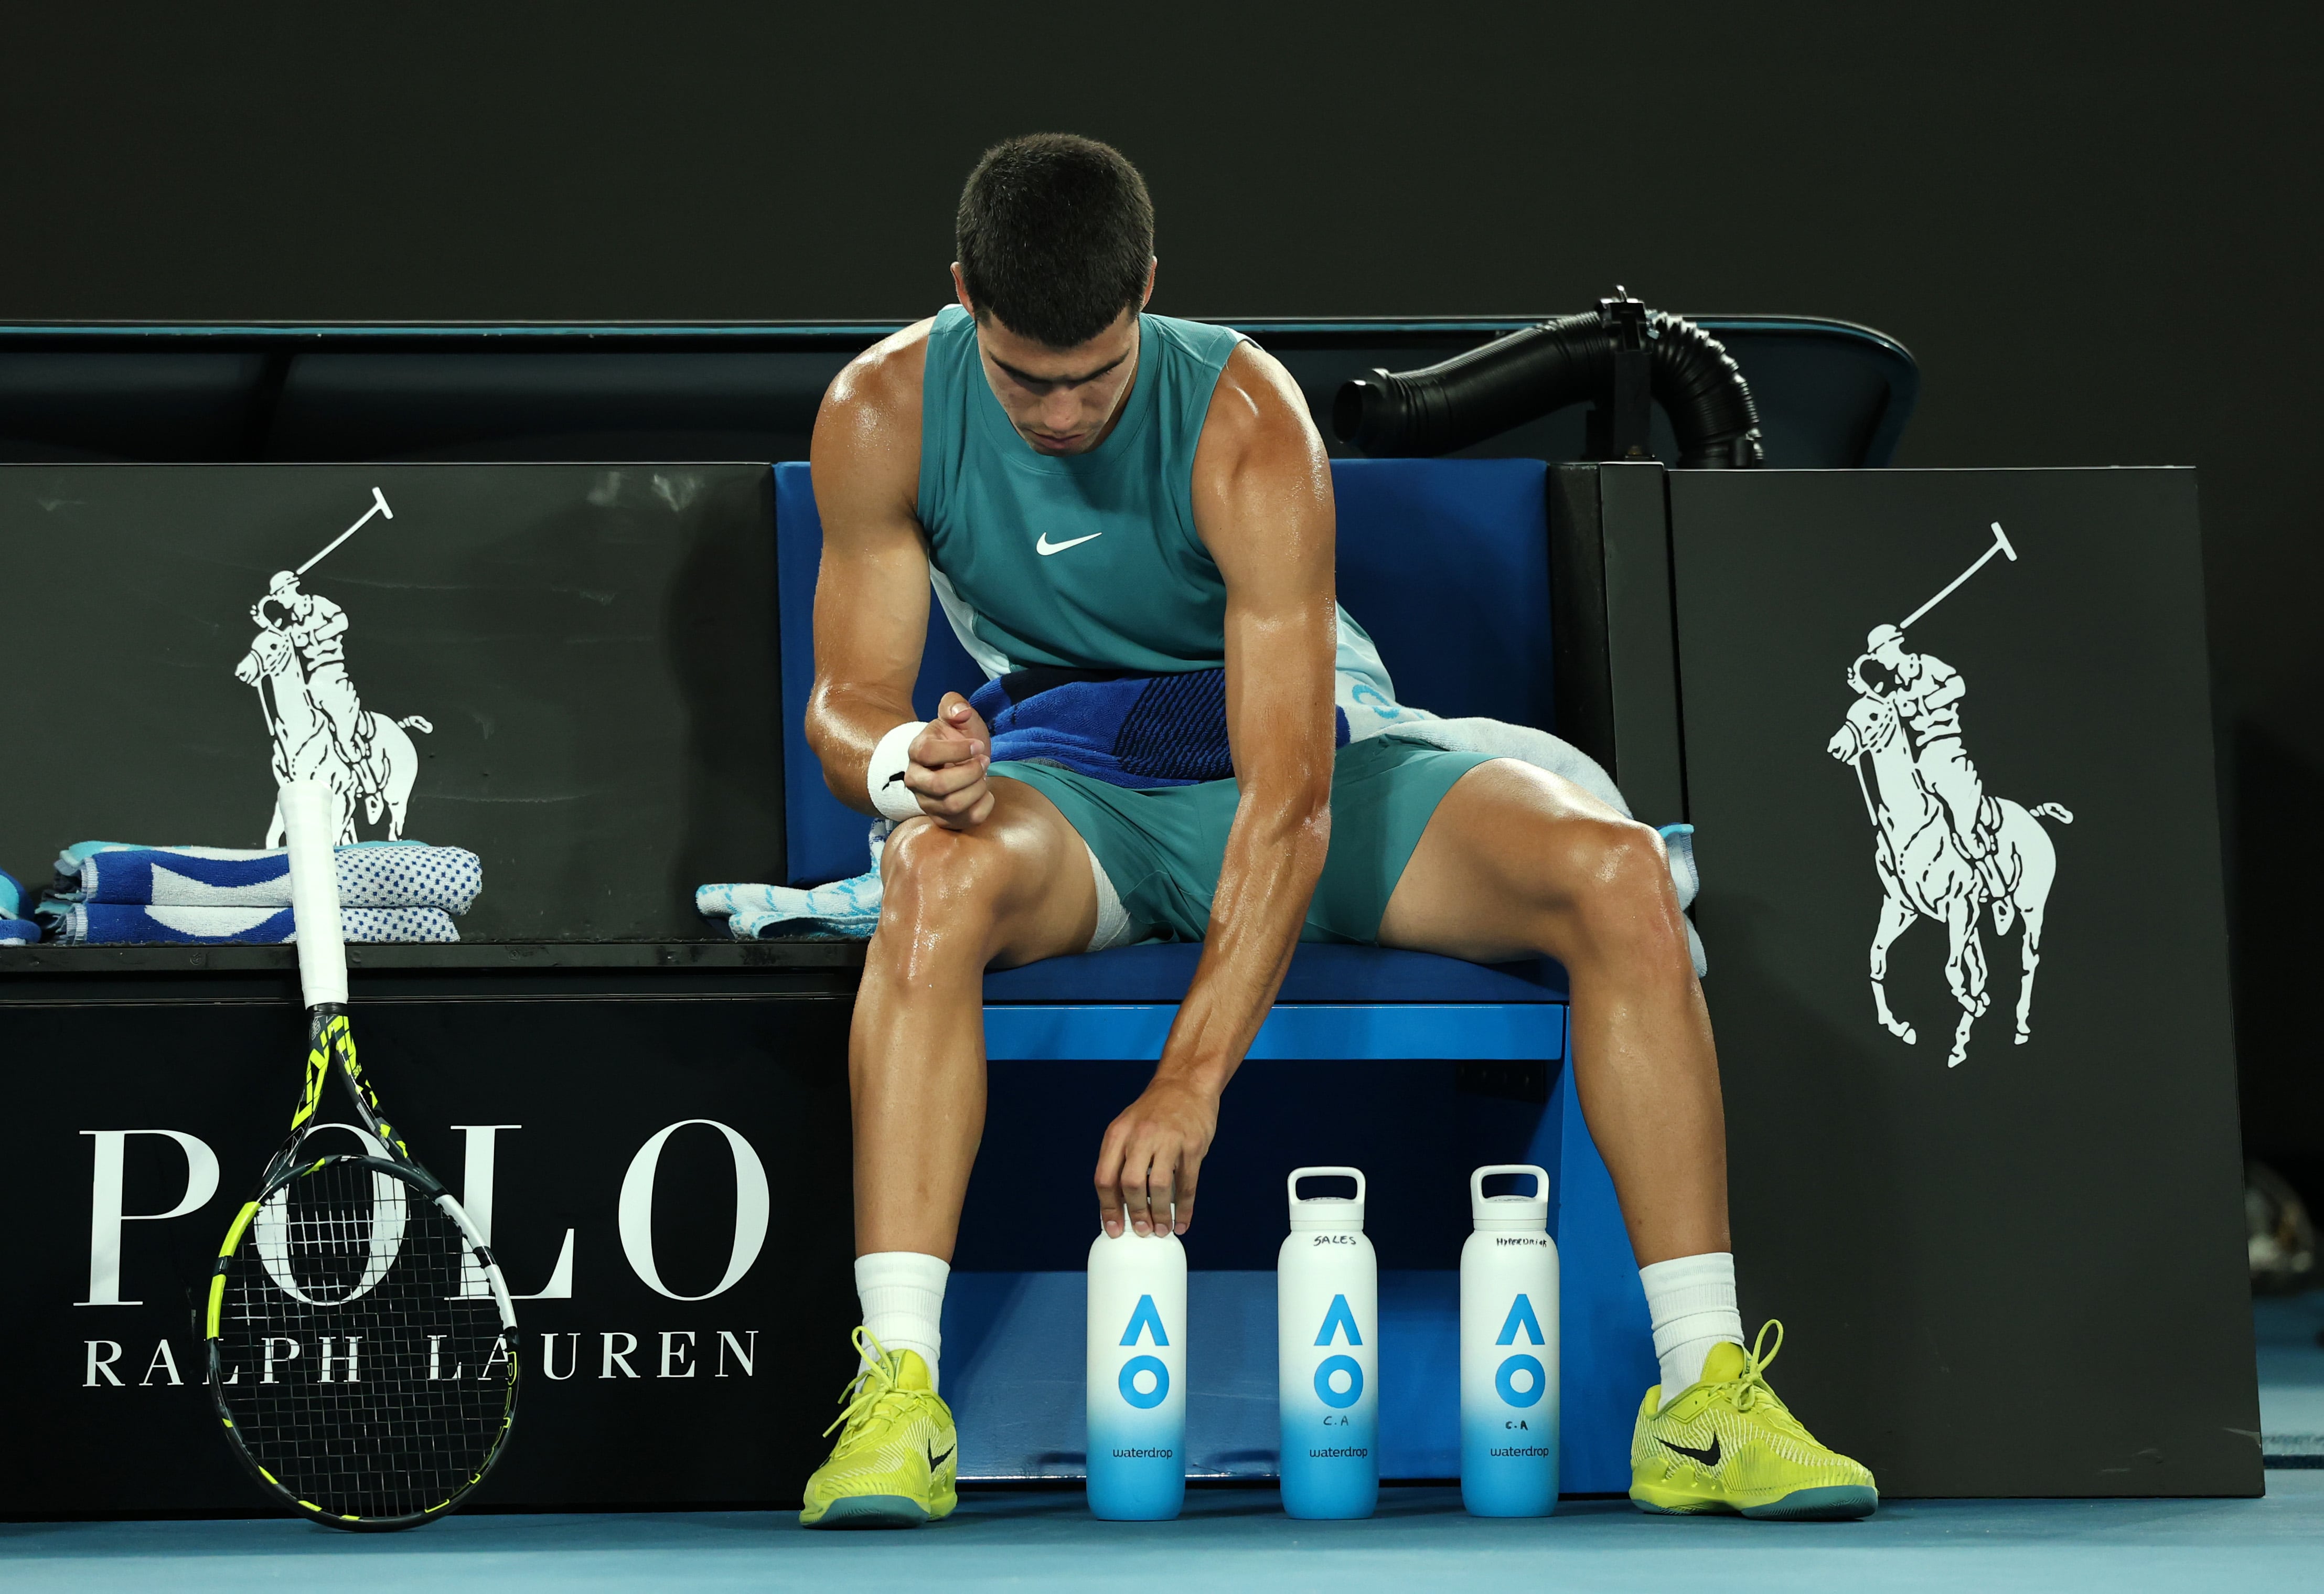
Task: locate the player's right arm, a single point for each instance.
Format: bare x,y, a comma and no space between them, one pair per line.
872,594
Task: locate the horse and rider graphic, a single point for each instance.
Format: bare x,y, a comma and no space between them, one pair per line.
316,717
1945,848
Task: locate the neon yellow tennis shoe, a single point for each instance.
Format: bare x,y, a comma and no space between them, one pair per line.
1728,1445
895,1461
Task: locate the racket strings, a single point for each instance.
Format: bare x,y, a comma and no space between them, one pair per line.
362,1352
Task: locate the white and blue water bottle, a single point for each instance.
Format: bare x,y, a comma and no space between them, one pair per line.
1509,1351
1327,1324
1137,1377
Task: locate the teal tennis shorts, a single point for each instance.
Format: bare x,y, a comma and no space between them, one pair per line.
1161,847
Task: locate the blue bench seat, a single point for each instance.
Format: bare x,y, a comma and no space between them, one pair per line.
1320,973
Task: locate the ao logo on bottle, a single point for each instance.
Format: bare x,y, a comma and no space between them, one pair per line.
1520,1379
1343,1369
1145,1381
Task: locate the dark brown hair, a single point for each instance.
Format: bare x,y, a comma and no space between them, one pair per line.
1055,235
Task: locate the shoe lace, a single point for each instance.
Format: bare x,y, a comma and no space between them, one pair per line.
874,1381
1750,1386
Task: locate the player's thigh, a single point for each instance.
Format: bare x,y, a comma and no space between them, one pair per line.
1025,869
1505,857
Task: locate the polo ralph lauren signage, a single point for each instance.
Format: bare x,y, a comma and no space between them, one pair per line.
642,1182
1945,729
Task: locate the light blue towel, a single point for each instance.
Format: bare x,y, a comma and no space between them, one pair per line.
397,874
843,910
115,923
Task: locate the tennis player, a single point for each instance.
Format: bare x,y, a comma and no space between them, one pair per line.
1087,486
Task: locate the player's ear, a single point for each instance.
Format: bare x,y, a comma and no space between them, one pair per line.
960,289
1146,298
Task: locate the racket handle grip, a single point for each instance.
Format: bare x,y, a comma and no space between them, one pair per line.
308,830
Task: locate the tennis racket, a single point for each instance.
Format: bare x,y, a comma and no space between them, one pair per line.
361,1346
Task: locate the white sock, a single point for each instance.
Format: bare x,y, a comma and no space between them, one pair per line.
903,1294
1691,1301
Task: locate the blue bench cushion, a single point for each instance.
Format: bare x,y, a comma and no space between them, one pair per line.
1319,972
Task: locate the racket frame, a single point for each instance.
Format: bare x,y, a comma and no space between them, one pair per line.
331,1050
309,815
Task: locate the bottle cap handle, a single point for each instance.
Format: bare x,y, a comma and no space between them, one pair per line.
1541,1180
1292,1184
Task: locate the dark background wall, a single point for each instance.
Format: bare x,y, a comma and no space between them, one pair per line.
2098,230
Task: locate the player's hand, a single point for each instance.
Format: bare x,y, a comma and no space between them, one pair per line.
949,759
1152,1156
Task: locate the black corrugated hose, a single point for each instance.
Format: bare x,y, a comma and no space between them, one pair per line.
1563,361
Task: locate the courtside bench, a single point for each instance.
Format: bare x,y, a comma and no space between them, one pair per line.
1414,1067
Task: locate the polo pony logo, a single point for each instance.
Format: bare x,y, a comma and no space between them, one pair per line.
1945,850
315,716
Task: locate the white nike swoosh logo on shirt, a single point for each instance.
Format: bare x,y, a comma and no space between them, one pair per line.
1045,547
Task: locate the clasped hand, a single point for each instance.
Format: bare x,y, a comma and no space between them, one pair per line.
949,760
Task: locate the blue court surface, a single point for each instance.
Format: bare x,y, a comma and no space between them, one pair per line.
1231,1539
1239,1539
2287,1331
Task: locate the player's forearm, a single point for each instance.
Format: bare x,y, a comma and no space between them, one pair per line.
1274,856
844,724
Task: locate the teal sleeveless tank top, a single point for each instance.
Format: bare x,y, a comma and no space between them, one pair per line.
1084,561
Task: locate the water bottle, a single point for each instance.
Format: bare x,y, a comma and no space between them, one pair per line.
1509,1351
1327,1327
1137,1377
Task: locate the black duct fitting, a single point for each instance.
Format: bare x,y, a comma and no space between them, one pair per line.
1561,362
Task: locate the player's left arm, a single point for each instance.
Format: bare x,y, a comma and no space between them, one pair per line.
1262,489
329,620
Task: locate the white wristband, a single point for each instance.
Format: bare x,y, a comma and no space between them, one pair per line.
885,775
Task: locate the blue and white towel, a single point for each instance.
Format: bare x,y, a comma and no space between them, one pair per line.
372,874
843,910
109,924
14,929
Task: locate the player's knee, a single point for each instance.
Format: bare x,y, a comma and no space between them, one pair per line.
937,877
1622,893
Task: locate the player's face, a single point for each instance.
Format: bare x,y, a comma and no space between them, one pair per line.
1060,401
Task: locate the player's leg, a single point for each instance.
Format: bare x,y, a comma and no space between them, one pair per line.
1017,887
1516,861
1513,861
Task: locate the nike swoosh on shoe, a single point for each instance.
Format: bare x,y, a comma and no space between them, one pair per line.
1709,1458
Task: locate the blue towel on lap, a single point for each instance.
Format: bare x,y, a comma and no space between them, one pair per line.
1118,726
112,923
